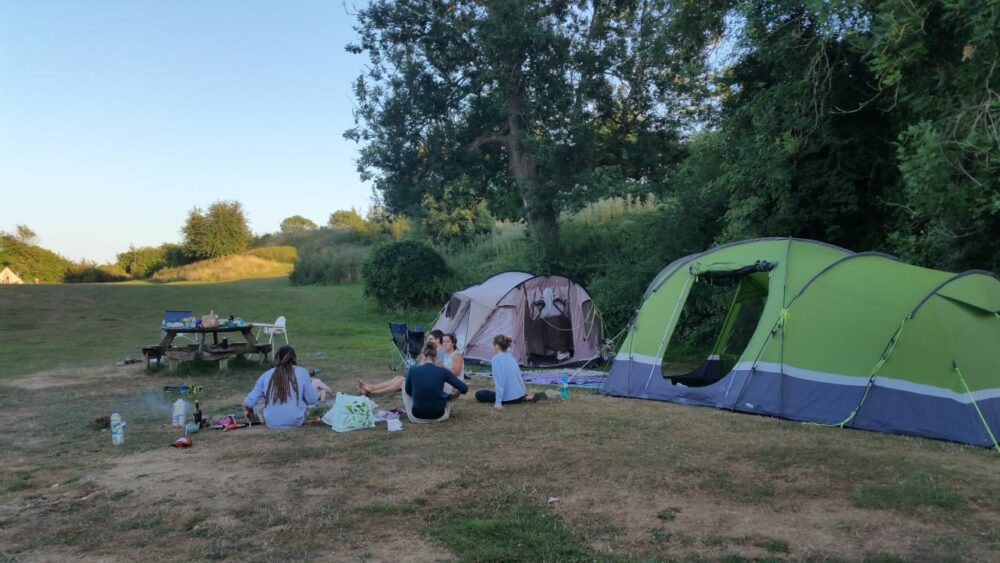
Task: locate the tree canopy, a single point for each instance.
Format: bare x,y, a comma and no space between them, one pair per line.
872,125
527,101
220,231
297,224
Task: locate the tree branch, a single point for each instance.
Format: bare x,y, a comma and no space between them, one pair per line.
492,139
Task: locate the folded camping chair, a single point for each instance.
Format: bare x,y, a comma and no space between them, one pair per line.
415,341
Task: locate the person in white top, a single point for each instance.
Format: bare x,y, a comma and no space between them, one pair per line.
451,359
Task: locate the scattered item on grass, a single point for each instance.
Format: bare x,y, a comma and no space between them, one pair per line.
183,442
102,423
126,361
553,378
394,424
320,354
351,412
183,388
192,428
179,415
553,500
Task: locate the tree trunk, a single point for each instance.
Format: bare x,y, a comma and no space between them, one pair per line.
539,206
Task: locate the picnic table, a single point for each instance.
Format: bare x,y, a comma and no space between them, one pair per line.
207,351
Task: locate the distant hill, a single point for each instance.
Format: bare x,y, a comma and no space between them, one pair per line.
269,262
30,261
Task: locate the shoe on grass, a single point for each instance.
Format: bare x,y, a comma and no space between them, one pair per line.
541,396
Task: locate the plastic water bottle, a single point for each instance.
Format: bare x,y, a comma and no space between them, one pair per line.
180,413
564,383
117,429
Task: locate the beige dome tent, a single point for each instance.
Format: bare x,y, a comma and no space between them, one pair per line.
7,276
551,319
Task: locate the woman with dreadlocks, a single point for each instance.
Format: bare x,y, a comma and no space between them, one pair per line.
285,390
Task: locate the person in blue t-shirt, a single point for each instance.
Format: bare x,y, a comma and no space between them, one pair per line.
506,379
286,391
423,391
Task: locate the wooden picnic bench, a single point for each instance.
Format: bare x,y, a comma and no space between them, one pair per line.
204,350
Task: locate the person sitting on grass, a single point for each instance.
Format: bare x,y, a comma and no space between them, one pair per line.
396,383
449,358
424,395
322,390
285,390
506,379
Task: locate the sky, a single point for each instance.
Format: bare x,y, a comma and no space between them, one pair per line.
117,117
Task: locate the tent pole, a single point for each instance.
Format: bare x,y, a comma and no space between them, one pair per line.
781,345
976,406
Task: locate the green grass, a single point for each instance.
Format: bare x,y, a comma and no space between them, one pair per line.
16,483
668,514
507,529
68,326
907,494
474,488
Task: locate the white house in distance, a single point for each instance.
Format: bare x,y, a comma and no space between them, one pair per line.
7,276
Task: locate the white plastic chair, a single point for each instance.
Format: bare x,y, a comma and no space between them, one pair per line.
270,330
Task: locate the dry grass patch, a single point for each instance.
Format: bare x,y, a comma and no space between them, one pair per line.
239,267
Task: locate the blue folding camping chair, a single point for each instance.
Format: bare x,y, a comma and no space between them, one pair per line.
407,344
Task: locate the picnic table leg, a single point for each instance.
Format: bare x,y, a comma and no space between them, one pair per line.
224,364
172,365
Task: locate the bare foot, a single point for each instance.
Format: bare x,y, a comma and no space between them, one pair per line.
363,387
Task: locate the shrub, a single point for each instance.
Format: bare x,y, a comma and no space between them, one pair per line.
29,261
86,272
142,262
283,254
405,274
330,265
506,248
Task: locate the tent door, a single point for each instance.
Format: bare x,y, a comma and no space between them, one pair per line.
547,340
735,330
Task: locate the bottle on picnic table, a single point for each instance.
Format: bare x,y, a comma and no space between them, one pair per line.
564,384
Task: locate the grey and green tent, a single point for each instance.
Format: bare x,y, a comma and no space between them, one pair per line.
859,340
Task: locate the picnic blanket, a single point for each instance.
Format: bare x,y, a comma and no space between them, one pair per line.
587,379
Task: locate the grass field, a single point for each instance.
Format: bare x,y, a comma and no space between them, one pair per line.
591,478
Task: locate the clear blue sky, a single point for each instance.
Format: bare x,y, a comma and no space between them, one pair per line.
117,117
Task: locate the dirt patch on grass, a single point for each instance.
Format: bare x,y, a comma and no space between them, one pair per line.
70,377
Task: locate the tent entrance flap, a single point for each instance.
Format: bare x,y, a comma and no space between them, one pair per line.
548,329
719,326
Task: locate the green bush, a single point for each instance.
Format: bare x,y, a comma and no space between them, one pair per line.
330,265
405,274
142,262
283,254
86,272
29,261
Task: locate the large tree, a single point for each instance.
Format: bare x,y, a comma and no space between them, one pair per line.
534,96
296,224
220,231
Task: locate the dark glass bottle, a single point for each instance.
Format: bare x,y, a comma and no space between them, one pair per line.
197,413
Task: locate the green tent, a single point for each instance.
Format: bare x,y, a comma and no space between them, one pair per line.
818,333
